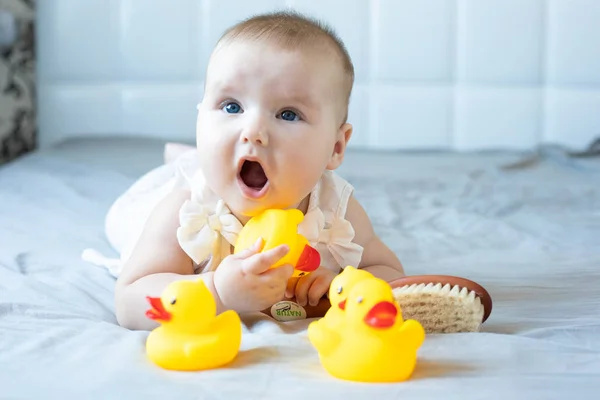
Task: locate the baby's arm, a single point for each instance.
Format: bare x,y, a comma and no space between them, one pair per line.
156,261
246,282
377,258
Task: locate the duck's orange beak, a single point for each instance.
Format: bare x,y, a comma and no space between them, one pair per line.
157,312
382,315
309,260
342,304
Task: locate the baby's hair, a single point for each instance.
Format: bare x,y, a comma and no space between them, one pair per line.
292,30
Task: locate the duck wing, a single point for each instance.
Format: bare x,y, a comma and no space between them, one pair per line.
227,321
324,339
196,347
412,334
226,329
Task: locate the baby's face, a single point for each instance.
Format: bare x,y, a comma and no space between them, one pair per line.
268,124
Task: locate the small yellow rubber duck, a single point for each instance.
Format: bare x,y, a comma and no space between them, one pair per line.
340,286
191,337
277,227
373,344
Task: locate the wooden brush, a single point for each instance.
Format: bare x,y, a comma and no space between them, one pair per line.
441,303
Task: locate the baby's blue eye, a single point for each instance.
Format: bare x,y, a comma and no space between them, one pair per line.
232,108
289,115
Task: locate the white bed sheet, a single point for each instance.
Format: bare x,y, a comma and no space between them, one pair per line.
530,236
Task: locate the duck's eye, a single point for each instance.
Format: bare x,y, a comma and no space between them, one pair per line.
359,300
173,301
339,290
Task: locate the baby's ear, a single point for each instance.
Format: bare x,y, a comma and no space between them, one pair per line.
339,149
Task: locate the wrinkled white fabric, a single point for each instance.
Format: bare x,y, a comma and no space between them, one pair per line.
127,216
530,236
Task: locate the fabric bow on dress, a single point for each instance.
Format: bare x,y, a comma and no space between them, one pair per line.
205,233
336,237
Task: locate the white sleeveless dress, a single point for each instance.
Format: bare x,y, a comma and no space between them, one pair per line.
208,229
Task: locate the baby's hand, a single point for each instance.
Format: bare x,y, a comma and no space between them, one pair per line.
310,287
245,282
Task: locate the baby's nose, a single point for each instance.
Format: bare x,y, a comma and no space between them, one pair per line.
255,135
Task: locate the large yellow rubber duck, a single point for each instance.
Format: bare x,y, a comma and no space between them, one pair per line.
191,337
339,289
373,344
277,227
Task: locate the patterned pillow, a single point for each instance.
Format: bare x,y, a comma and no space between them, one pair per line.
18,130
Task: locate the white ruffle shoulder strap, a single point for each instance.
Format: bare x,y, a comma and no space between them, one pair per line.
207,228
325,225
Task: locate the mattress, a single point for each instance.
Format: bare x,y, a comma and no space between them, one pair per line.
530,235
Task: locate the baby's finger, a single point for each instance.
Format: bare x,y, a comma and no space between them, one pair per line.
261,262
302,288
250,251
318,288
291,287
282,273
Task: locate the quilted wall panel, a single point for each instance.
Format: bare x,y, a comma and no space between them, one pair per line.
431,74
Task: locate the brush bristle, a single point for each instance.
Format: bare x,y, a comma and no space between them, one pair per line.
441,308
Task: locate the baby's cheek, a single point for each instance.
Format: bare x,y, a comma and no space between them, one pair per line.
216,149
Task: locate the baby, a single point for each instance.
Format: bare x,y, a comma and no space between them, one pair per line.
271,129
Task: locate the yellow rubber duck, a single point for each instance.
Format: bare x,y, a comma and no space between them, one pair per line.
191,337
277,227
373,344
340,286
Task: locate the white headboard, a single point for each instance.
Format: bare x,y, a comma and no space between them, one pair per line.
447,74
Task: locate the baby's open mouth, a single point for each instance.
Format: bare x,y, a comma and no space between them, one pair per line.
253,177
